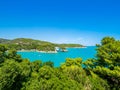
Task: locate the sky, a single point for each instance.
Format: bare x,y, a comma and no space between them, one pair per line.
60,21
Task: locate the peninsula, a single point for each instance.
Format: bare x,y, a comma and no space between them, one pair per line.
26,44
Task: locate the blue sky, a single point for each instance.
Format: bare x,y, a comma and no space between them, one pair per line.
60,21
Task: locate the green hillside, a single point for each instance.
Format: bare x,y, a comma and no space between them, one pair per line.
4,40
28,44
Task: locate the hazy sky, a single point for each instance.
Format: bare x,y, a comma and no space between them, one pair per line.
60,21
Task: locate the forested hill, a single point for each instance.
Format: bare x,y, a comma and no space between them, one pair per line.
3,40
28,44
21,40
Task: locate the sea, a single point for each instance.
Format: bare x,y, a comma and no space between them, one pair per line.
60,57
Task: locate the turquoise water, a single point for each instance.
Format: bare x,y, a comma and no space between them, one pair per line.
60,57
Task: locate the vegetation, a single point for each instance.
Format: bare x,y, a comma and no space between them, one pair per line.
70,45
30,44
101,73
3,40
107,63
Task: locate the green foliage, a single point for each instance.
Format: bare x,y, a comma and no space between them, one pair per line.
12,54
107,63
31,44
4,40
98,83
101,73
107,40
3,55
50,79
48,63
70,61
70,45
72,68
8,74
36,65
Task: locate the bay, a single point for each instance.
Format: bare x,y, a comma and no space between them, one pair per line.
59,58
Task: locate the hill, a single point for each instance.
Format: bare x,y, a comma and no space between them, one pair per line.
4,40
28,44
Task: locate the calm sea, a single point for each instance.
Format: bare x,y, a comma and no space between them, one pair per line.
60,57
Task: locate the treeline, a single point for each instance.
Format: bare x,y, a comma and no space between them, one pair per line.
28,44
101,73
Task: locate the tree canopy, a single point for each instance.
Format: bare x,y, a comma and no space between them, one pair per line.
100,73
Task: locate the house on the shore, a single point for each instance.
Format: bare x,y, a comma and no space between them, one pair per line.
57,49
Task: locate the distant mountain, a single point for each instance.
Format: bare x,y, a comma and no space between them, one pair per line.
28,44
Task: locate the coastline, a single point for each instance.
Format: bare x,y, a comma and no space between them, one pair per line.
37,51
47,51
77,47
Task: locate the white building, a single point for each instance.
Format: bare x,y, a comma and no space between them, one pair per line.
57,49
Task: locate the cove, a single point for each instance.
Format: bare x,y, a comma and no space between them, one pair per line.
59,58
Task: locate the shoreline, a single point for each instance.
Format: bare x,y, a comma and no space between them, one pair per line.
77,47
46,51
37,51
